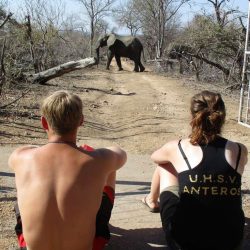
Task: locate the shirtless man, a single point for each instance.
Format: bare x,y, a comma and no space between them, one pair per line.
60,186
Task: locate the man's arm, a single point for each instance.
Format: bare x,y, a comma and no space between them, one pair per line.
114,157
15,156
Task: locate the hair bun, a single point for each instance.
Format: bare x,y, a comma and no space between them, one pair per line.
215,116
208,111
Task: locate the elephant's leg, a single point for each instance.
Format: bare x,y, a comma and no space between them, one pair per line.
142,68
110,56
140,64
136,68
118,61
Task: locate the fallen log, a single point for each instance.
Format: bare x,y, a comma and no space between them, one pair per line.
44,76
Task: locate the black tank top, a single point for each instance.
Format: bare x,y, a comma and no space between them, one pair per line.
209,215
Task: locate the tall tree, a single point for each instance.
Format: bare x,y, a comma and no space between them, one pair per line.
217,37
4,17
96,10
127,16
155,18
43,24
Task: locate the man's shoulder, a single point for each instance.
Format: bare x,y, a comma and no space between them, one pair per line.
20,153
94,153
98,154
24,149
103,154
112,157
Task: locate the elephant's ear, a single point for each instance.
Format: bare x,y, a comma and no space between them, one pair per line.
111,40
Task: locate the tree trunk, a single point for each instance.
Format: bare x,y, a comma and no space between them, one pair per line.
92,37
32,49
2,69
44,76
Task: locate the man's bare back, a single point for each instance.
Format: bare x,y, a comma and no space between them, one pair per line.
59,189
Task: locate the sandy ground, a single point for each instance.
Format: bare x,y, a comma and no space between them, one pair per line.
139,112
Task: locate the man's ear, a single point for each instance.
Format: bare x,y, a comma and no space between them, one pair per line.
44,123
82,120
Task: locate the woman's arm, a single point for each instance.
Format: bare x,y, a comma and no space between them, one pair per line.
164,154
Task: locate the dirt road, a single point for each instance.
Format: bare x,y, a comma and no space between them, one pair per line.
138,111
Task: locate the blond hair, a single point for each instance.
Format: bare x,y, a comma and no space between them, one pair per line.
63,111
208,113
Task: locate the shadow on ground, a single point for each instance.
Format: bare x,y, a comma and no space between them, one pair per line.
6,174
150,238
245,191
247,234
139,239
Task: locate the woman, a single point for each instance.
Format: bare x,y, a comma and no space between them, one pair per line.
198,182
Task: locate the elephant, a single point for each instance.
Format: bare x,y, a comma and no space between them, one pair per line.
121,46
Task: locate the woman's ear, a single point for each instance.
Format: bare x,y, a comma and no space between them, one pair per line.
44,123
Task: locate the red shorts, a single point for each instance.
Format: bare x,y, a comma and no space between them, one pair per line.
102,235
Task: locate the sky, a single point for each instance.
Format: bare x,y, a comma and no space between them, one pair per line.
198,5
187,12
73,5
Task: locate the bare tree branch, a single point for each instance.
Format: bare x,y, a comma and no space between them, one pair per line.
7,18
212,63
96,9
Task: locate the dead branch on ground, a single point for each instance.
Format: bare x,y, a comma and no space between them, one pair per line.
44,76
8,104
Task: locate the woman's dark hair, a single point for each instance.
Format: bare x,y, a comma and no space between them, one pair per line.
208,116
